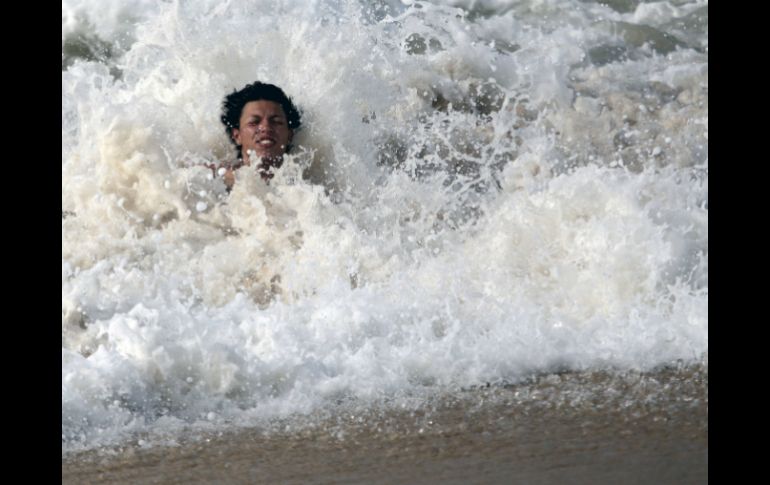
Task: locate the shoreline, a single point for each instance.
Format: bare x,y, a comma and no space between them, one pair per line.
597,427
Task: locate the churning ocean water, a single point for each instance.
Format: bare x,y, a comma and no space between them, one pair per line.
481,192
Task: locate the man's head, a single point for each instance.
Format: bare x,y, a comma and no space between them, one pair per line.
260,117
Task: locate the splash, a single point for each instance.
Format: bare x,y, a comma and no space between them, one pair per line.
481,191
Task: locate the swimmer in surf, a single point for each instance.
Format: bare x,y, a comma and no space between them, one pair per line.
260,121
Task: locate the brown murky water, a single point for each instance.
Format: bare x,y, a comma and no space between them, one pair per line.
584,428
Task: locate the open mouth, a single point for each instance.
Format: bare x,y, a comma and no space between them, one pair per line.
266,142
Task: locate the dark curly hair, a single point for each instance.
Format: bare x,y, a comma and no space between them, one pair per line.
232,107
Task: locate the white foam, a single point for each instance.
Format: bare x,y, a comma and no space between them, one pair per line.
544,222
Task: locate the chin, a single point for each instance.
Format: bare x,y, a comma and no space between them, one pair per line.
265,154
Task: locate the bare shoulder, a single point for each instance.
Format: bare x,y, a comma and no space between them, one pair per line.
226,171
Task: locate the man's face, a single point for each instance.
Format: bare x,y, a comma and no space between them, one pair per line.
264,129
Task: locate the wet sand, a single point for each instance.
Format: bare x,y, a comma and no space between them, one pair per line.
585,428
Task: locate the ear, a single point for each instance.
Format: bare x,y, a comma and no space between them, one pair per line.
237,136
